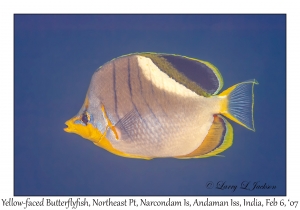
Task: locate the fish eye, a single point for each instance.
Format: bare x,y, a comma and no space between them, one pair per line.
85,118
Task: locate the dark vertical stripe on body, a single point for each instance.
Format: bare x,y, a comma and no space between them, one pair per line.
130,90
115,90
129,82
135,108
141,91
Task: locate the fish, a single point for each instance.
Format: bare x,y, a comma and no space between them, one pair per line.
143,106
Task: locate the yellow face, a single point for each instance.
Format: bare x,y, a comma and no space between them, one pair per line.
87,131
81,125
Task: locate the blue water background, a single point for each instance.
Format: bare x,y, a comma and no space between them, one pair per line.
54,59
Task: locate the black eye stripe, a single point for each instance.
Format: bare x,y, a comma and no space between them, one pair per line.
84,118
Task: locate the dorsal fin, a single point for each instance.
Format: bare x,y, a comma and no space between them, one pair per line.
208,79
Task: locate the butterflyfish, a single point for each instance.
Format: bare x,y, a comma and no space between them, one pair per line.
143,106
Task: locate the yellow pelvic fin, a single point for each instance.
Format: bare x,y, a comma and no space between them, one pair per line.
218,139
105,144
93,134
238,103
109,124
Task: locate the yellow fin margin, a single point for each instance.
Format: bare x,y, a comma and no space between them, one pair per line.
179,76
238,103
227,142
214,69
105,144
209,146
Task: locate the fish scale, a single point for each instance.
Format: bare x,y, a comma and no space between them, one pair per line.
142,106
160,133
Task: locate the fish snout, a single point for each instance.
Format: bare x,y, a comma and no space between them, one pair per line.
68,128
71,126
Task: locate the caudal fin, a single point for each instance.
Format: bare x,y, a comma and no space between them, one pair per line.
239,102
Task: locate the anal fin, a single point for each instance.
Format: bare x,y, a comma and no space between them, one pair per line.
218,139
105,144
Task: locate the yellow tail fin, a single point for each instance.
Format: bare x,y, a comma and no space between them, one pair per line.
239,103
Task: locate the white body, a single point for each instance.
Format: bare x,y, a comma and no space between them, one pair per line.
169,119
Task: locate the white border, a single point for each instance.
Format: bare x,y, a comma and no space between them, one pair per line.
8,8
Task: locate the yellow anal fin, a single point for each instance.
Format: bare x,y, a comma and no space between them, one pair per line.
218,139
109,124
105,144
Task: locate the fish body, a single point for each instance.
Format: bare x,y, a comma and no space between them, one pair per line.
141,106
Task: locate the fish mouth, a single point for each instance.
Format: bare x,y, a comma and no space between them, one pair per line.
78,129
69,128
